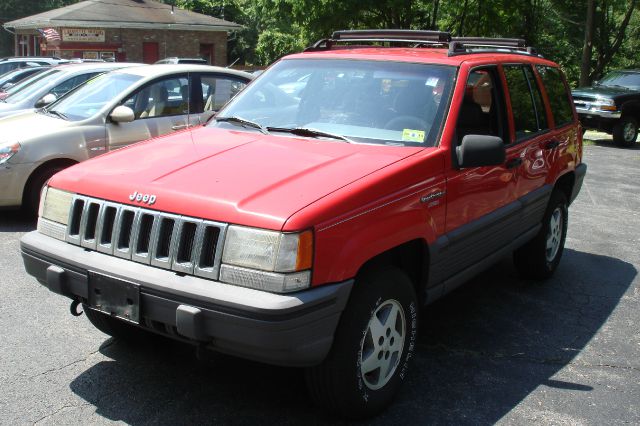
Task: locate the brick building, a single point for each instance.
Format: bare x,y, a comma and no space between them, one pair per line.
124,30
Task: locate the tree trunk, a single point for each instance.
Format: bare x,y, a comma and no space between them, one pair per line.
607,55
434,18
462,18
587,48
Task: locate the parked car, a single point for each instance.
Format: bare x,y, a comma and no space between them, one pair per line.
612,105
45,88
108,112
307,230
11,78
174,60
12,63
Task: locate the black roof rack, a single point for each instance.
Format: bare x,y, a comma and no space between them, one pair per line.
418,38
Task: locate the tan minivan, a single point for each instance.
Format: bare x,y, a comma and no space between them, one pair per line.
106,113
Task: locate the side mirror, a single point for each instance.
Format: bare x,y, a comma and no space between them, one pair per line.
480,150
46,100
122,114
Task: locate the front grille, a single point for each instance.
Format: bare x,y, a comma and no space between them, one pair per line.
179,243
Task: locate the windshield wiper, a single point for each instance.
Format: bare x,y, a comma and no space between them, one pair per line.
56,113
305,131
243,122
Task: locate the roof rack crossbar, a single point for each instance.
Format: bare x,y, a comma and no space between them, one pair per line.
493,42
391,35
456,45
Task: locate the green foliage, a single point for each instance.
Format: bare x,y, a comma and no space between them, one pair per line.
272,28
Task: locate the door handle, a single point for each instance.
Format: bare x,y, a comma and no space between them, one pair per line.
179,126
513,163
551,144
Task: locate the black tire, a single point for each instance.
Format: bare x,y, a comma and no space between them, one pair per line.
535,259
625,131
112,326
339,383
31,197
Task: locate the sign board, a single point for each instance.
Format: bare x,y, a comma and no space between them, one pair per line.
90,55
83,35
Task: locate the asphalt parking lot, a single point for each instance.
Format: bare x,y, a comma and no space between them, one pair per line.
499,349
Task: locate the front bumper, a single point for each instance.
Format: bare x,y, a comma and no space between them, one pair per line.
13,177
292,330
588,113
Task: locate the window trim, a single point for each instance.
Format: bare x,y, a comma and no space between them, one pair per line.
567,91
138,89
527,138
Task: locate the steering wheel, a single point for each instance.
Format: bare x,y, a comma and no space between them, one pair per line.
406,122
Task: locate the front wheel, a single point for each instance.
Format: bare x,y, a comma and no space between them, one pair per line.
372,348
540,257
625,132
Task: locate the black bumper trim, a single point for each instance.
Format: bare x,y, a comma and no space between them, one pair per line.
290,330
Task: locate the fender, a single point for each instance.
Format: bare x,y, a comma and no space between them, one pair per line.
349,241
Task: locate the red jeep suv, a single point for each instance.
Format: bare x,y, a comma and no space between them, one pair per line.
311,218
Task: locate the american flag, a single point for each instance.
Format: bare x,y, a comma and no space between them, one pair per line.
50,34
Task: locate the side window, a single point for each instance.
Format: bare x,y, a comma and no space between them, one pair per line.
558,95
217,90
529,114
482,110
71,83
161,98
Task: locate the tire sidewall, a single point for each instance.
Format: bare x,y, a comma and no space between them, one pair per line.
619,132
391,284
558,200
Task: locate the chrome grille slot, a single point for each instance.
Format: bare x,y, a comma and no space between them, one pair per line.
209,253
106,224
209,243
89,223
186,247
179,243
77,208
123,234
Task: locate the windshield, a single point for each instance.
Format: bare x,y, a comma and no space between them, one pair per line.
91,97
25,90
624,79
389,103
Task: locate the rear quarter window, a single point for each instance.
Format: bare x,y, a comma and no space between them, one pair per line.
557,93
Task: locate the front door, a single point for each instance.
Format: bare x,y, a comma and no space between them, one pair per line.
160,107
150,52
207,52
480,200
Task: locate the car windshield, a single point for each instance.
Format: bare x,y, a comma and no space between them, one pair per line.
31,86
388,103
92,96
630,80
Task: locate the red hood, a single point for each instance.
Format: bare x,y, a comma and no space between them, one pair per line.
237,177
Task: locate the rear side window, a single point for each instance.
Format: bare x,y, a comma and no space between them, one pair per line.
558,95
529,115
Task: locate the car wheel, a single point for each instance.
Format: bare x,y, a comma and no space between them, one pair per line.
372,347
31,198
625,131
540,257
111,326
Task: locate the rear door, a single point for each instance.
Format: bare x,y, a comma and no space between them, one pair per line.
531,136
160,107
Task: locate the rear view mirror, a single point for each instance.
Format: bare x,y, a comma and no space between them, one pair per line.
46,100
122,114
480,150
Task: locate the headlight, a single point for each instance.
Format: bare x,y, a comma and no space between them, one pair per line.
55,204
604,104
268,250
267,260
8,151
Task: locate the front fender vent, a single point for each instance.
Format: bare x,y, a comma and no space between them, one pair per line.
179,243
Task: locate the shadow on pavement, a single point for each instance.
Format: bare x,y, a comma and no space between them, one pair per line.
482,350
608,143
16,221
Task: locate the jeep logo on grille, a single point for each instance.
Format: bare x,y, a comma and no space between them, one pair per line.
142,198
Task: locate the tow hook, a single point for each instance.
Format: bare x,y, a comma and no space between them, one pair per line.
74,308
